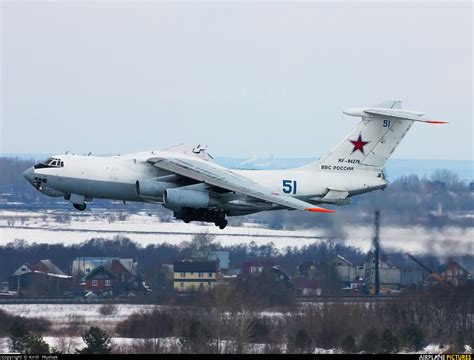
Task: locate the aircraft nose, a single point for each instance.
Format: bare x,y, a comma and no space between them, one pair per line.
29,173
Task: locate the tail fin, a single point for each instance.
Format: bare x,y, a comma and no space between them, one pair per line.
373,141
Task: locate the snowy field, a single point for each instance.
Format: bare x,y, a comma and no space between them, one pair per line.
82,315
42,227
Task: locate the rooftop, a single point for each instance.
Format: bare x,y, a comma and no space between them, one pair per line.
195,266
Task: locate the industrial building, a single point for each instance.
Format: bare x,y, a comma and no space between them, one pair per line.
354,276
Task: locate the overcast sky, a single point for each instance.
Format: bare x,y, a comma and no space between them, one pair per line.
247,79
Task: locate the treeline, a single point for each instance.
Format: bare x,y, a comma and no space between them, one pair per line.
12,169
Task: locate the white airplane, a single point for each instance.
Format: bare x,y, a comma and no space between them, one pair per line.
185,179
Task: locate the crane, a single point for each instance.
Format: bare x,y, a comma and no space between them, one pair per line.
434,274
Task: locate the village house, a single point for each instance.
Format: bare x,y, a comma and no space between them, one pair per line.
454,274
109,277
42,279
195,275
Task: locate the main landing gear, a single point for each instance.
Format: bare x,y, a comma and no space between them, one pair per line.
222,223
191,214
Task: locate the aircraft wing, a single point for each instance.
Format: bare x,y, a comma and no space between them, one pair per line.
222,177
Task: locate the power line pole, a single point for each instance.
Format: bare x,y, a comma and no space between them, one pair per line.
377,252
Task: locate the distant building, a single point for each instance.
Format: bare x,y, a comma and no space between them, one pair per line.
113,278
306,287
83,265
353,275
346,270
195,275
99,280
255,268
308,281
389,276
43,279
454,274
222,256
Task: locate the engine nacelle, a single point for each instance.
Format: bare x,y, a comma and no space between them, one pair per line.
152,189
189,198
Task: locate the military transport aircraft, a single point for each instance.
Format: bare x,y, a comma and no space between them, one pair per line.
185,179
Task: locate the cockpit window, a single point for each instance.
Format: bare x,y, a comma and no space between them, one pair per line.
50,162
54,162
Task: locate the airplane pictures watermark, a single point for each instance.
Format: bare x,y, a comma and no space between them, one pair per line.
445,357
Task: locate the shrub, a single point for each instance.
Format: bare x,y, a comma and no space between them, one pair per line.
158,323
389,342
348,344
97,341
108,309
23,341
35,325
414,337
300,343
370,342
196,338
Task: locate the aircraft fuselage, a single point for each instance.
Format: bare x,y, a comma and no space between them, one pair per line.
83,178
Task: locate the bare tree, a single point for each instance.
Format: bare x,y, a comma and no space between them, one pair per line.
66,344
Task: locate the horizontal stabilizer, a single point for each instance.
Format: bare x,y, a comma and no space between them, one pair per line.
392,113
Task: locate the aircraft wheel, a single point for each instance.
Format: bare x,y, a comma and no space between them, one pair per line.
223,224
80,207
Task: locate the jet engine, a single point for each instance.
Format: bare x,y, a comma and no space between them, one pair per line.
152,189
189,198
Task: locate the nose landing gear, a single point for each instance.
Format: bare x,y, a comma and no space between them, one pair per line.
80,207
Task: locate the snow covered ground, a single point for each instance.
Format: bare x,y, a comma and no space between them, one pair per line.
42,227
86,315
81,315
124,345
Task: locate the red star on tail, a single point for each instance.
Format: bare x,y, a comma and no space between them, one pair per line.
359,144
